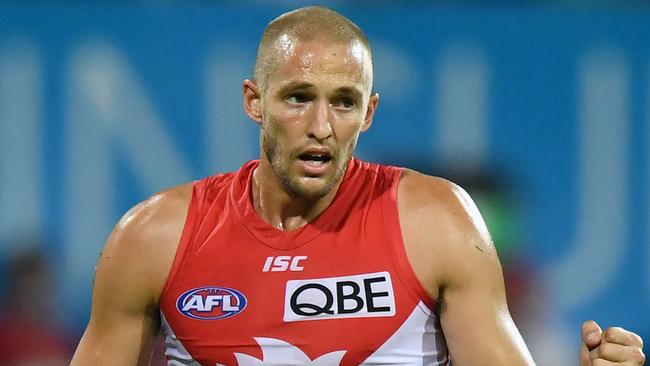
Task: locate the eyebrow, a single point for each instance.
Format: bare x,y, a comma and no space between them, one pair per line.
302,85
295,85
349,91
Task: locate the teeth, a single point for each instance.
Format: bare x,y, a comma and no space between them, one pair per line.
314,157
316,162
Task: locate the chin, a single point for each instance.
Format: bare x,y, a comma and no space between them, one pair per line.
309,188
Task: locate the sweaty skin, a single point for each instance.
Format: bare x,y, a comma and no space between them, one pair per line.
129,279
442,231
319,98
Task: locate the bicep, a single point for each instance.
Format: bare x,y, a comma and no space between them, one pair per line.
477,324
123,320
475,317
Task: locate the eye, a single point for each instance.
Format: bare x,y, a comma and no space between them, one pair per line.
297,98
344,103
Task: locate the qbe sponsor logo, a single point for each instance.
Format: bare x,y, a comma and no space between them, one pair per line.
358,296
211,303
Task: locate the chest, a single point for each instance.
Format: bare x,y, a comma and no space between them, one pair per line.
337,300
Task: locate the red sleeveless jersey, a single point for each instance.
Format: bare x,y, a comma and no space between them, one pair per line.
337,291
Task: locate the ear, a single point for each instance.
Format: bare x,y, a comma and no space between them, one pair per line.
370,112
252,100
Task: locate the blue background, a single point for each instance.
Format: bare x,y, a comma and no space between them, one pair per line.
553,102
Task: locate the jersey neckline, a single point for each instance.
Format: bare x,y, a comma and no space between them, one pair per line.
329,220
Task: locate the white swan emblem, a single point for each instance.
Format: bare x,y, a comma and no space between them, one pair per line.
276,352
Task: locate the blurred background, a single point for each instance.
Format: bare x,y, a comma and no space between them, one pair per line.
540,109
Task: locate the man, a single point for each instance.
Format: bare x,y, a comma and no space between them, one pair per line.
309,256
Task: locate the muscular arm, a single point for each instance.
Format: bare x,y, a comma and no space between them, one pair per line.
452,254
129,278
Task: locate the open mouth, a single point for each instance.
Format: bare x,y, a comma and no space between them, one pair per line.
315,158
315,162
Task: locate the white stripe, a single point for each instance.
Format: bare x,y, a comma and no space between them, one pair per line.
647,181
21,138
418,342
601,236
107,111
230,137
176,353
461,110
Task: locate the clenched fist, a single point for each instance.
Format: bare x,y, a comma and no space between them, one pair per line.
613,347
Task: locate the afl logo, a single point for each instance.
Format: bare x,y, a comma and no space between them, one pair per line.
211,303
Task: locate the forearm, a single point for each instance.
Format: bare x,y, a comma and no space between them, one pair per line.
123,344
485,341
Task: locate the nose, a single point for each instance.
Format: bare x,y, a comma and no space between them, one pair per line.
320,127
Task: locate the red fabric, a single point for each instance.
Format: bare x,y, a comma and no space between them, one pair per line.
225,243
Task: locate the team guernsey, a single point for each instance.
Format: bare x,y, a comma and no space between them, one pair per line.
337,291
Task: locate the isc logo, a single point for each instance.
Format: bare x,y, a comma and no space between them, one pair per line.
360,296
211,303
283,262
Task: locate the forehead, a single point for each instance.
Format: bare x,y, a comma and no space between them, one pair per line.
321,62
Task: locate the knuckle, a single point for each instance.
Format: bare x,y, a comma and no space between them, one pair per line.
610,333
638,356
606,349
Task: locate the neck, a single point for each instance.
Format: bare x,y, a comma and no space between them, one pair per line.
280,208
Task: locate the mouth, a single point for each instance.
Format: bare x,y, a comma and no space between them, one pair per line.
315,162
315,158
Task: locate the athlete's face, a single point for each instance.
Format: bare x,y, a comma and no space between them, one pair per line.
314,105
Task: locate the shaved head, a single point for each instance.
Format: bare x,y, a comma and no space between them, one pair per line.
312,97
312,23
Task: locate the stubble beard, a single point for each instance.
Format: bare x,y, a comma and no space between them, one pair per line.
281,161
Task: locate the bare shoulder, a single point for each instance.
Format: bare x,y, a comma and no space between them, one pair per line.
153,218
129,278
141,248
442,228
445,206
